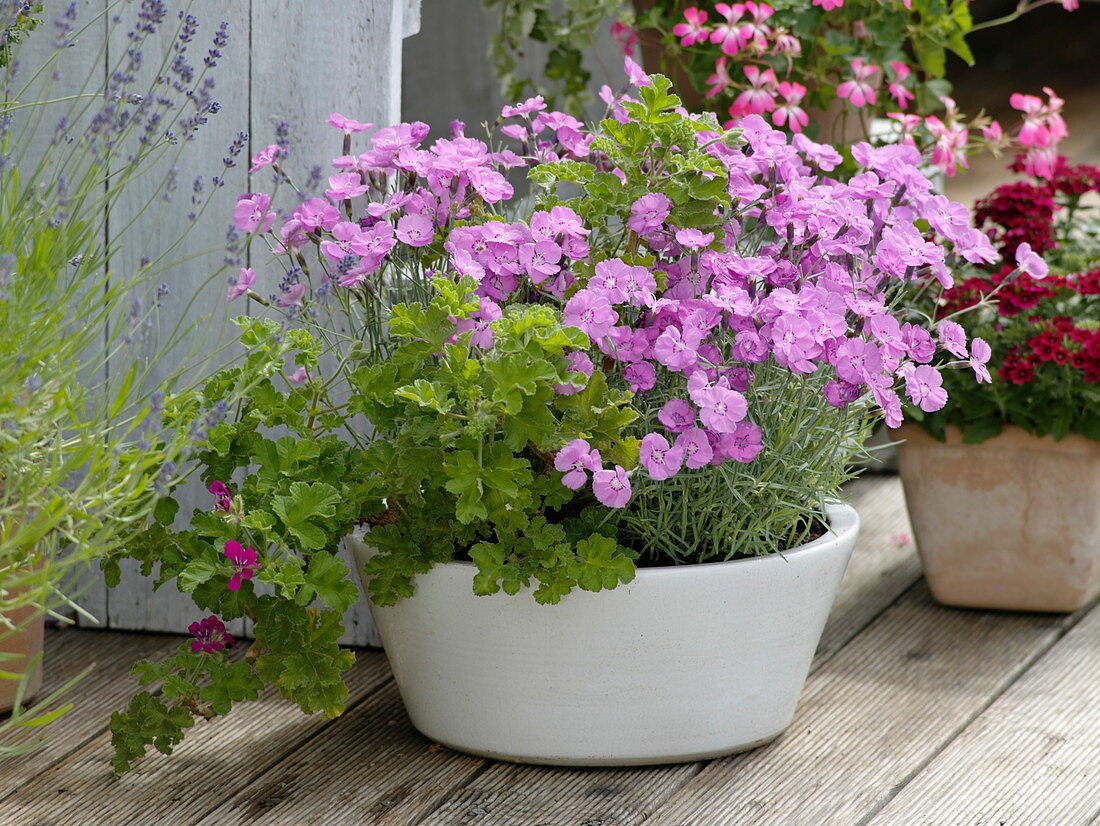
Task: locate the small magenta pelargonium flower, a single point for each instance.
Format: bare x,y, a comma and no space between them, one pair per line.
244,561
223,500
210,636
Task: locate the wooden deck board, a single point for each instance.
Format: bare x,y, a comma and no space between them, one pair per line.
184,786
104,690
884,563
913,713
870,718
389,774
1033,757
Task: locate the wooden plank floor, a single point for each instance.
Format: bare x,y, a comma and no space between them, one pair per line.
913,714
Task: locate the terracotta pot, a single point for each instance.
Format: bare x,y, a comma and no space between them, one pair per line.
1011,523
26,643
683,663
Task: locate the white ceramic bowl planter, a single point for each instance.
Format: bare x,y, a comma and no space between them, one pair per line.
682,663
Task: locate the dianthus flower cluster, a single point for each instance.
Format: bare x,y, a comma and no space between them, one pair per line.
791,268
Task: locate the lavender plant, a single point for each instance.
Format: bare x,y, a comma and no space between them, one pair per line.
84,453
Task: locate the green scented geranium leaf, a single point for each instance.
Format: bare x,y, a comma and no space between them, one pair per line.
285,574
327,579
432,395
464,479
201,568
149,721
601,564
231,683
303,507
165,511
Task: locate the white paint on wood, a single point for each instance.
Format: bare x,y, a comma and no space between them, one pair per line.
133,604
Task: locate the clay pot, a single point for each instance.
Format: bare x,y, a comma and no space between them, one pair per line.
1012,523
26,643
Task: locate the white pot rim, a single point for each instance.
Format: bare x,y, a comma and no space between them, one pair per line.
842,520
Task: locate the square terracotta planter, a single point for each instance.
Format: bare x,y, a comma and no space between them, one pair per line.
1011,523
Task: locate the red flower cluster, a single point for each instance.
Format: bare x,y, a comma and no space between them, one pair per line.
1024,212
1020,212
1061,342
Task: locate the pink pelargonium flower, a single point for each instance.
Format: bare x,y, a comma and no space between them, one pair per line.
635,74
244,562
720,81
923,385
1030,262
860,91
222,500
829,5
210,636
728,32
660,459
266,156
574,460
648,213
626,37
692,31
760,96
246,278
251,213
902,95
790,113
591,313
949,151
612,487
347,125
299,377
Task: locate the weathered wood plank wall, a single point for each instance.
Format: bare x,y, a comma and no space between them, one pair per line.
285,61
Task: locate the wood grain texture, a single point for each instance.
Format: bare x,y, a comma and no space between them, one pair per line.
195,274
107,688
1033,757
870,718
512,795
182,787
370,766
883,566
